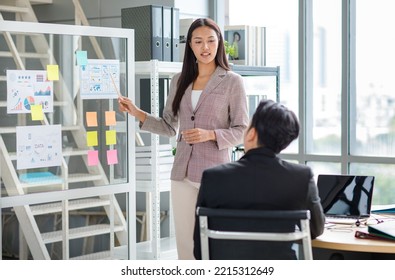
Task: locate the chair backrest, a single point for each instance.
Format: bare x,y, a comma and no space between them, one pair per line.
254,234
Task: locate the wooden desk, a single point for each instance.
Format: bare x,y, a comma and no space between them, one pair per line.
343,239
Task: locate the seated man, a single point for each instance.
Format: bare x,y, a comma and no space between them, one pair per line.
260,180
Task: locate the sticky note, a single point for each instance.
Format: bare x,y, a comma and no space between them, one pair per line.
111,137
52,72
93,158
110,118
91,119
91,138
112,157
82,58
37,112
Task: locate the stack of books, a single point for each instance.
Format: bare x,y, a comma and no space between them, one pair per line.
146,161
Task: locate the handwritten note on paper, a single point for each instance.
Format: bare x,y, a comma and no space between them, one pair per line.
111,137
91,119
37,112
82,58
110,118
112,157
53,72
91,138
93,158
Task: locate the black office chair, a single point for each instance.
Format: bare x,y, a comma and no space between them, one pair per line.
254,234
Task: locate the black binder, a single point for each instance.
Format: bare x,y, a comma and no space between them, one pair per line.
167,24
145,94
147,24
175,34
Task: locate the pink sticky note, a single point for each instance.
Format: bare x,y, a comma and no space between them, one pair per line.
112,157
93,158
91,119
110,118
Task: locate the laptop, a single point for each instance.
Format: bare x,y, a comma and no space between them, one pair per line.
346,199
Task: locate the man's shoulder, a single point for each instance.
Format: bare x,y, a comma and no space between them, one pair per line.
225,168
295,165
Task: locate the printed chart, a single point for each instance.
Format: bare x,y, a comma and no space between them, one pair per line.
26,88
100,79
38,146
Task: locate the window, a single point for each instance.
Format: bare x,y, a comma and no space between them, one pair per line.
324,111
343,84
281,41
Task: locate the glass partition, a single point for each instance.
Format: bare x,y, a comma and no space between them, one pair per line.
66,153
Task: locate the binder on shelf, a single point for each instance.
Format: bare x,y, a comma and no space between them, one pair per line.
166,24
147,24
145,94
175,34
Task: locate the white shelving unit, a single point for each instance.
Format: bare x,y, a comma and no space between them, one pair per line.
156,247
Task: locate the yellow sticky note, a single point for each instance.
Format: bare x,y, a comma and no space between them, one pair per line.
110,118
111,137
91,138
52,72
91,119
37,112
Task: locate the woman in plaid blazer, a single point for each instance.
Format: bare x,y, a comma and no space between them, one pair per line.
207,107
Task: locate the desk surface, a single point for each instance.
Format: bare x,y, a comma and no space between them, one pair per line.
342,238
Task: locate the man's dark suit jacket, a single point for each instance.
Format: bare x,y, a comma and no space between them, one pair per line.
260,180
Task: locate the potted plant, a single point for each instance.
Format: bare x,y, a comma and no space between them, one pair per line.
229,49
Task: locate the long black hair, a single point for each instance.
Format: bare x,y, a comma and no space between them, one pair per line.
189,68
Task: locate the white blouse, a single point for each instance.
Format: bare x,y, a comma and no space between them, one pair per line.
195,97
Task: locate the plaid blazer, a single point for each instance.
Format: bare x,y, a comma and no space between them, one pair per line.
222,107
